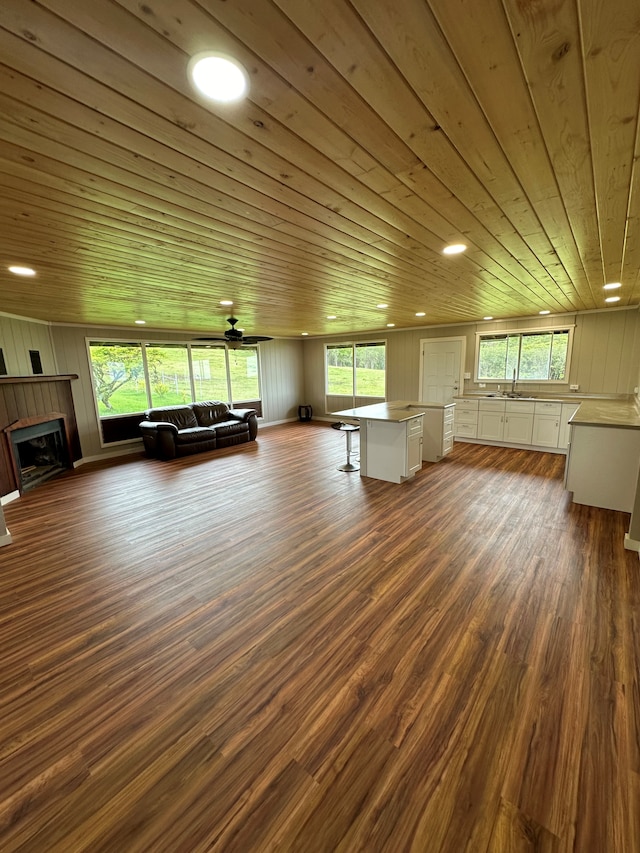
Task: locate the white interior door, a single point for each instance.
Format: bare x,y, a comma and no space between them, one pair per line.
441,377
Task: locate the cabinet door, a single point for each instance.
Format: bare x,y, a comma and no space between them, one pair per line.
414,454
546,430
518,427
491,425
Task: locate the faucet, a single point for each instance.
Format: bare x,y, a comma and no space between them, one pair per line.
513,384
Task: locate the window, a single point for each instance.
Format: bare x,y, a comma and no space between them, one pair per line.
118,377
539,355
356,369
129,377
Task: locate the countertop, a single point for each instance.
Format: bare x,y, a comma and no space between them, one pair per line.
395,411
607,413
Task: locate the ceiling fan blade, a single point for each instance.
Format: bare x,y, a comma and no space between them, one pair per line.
254,339
210,339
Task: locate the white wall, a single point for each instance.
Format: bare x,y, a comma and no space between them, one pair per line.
17,337
606,354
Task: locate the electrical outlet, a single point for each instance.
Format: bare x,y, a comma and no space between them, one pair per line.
574,387
467,376
482,384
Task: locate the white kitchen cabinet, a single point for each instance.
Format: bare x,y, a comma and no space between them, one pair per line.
437,430
491,419
466,418
390,451
546,424
602,466
518,427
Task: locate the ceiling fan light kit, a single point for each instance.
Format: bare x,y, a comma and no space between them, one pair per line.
234,338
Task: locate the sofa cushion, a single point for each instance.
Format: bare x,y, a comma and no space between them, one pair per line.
182,416
210,413
195,434
231,428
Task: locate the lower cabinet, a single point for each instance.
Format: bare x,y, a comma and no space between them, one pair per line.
539,424
518,427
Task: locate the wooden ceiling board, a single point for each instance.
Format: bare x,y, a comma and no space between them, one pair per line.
373,135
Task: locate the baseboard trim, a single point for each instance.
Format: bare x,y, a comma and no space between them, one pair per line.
5,539
631,544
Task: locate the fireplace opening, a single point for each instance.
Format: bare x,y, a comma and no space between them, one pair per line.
40,452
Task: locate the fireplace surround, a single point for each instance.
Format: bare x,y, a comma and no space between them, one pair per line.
39,449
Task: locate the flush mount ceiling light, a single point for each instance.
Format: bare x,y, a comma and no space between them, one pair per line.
218,77
454,249
487,318
331,317
420,314
613,286
140,322
612,299
390,325
22,270
544,312
226,302
382,305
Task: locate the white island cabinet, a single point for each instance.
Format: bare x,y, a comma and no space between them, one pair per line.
390,439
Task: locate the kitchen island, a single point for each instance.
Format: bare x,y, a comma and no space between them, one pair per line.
390,439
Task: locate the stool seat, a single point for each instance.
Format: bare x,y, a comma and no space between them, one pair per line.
348,429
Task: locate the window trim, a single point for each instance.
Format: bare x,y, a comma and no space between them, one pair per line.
143,344
354,345
564,327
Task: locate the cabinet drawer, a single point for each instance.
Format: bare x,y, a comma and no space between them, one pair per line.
467,430
526,408
548,408
447,445
466,416
491,405
466,403
448,415
414,426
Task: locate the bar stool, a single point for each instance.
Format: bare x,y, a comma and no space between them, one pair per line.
348,429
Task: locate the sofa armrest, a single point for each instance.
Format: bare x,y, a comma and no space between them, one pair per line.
159,425
159,438
249,416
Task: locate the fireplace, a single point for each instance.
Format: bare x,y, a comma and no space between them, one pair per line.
39,449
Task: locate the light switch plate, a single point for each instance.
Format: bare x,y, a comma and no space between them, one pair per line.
573,387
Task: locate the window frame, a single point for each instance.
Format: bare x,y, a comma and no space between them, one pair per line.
143,344
353,345
521,333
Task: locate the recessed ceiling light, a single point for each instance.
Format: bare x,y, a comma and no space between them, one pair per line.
613,286
331,317
304,333
545,312
454,249
612,299
487,318
420,313
218,77
22,271
140,322
226,302
390,325
382,305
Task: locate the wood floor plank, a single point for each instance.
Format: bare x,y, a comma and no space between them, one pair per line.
249,650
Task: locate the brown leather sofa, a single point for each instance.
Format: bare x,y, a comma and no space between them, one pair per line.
196,427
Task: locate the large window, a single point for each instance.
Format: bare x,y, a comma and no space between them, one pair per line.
356,370
130,377
540,355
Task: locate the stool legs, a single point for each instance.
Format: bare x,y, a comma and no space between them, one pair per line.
349,466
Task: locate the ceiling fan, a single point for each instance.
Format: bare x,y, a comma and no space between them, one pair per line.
234,338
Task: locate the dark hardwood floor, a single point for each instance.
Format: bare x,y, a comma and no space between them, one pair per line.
249,650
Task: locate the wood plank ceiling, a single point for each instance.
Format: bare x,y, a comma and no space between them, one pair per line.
375,133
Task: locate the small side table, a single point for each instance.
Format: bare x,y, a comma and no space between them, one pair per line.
348,429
